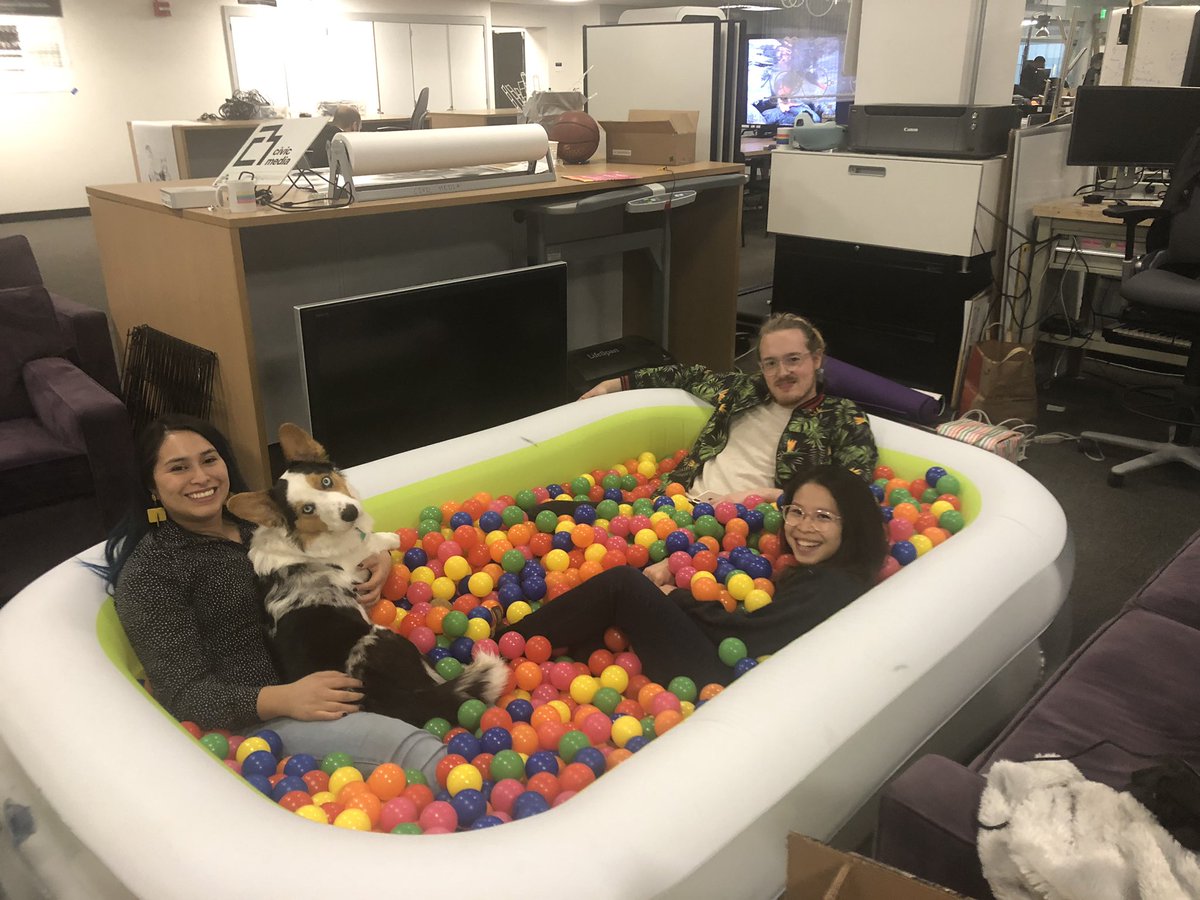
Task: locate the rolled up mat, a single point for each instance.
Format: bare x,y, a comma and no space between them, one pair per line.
879,395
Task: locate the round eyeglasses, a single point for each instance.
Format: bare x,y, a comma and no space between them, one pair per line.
791,361
794,514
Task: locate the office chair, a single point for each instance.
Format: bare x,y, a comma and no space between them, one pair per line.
418,119
1163,289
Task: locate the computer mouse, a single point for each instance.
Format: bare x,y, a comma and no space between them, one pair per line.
1093,199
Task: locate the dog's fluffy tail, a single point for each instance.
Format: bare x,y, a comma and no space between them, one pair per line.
416,698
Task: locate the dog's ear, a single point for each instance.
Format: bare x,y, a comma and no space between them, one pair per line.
298,445
256,507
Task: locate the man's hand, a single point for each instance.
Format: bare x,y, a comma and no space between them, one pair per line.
608,386
378,567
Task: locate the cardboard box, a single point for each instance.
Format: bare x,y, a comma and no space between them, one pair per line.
653,137
816,871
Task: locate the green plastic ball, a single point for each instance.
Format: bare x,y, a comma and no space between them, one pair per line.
431,512
658,551
952,520
443,641
415,776
526,499
512,515
512,561
706,526
643,507
606,700
683,688
608,509
948,484
508,764
335,761
772,521
408,828
899,495
546,521
425,526
454,625
437,726
611,481
628,482
217,744
448,667
571,743
929,495
581,485
648,731
470,713
682,518
731,650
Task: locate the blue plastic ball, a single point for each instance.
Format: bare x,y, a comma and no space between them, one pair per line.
260,782
532,569
753,519
443,795
415,557
482,612
744,665
585,514
636,743
486,789
742,510
520,710
260,762
534,588
529,804
758,567
703,509
663,500
465,745
462,649
505,578
593,759
562,541
300,764
494,740
470,805
724,569
437,654
678,540
274,741
286,785
542,761
459,519
554,490
491,521
615,495
903,551
886,513
508,594
464,585
933,473
486,822
877,491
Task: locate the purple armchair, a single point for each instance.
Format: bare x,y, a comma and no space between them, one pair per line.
65,436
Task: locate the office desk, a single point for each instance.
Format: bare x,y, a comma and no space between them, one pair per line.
204,149
1073,236
229,282
463,118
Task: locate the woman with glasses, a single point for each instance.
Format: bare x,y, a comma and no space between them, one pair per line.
831,524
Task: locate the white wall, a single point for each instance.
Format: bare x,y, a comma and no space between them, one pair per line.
127,64
563,37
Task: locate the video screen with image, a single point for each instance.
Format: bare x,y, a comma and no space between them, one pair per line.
787,76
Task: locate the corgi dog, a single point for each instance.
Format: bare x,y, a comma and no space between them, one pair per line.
312,536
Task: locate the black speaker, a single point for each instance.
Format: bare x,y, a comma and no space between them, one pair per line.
589,366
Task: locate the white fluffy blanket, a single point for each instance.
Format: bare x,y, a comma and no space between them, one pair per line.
1047,833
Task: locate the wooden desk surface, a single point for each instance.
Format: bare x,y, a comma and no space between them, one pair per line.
1075,209
753,148
146,196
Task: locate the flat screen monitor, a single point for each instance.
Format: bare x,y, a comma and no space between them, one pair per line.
1132,126
786,76
401,369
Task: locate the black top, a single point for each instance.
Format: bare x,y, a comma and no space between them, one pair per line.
190,606
804,599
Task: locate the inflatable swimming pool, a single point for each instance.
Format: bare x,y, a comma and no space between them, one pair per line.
104,795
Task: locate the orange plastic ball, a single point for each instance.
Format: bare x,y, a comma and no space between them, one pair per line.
710,690
368,803
525,739
383,612
529,676
615,640
387,781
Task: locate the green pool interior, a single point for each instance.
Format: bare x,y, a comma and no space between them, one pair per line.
661,430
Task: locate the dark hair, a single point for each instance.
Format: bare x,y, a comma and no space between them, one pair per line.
134,525
863,542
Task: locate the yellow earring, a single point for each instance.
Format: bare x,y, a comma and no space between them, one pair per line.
155,514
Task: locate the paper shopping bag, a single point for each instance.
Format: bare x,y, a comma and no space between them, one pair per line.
1000,380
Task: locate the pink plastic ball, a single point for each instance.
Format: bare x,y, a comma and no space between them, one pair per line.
683,578
438,814
423,638
487,646
725,511
597,727
395,811
436,567
543,693
678,560
511,645
900,530
562,674
419,592
629,662
445,550
890,567
504,793
663,701
563,797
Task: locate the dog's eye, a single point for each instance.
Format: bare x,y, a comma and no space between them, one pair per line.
326,482
308,509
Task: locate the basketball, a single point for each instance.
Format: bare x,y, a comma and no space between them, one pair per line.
578,136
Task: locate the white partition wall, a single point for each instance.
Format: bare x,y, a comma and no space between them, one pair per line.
468,67
393,58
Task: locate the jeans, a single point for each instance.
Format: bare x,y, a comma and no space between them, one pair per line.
369,738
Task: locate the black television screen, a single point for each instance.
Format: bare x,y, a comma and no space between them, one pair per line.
786,76
1132,126
392,371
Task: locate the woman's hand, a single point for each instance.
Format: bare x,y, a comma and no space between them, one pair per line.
321,696
608,386
378,567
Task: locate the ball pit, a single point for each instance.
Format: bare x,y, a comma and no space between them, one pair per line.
892,668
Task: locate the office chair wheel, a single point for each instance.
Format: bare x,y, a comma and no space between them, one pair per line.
1115,480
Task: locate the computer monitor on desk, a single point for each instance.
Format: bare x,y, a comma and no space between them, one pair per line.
1132,128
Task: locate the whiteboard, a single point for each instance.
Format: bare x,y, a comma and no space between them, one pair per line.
393,57
661,65
468,67
1158,45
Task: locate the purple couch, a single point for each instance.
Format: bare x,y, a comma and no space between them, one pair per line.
1133,683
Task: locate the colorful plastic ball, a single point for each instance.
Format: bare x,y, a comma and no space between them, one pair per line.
625,728
260,782
438,727
518,611
481,584
682,687
542,761
342,777
900,530
486,822
572,742
312,813
464,744
606,699
592,758
408,828
495,739
732,650
743,666
438,814
636,743
903,552
259,762
387,781
520,710
288,784
353,820
469,805
921,544
951,520
251,745
334,761
217,744
316,780
395,811
507,764
934,473
947,484
939,507
470,712
462,777
529,804
448,667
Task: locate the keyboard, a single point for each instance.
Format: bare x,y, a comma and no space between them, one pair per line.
1148,338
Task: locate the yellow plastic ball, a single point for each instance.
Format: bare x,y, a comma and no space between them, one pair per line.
645,538
423,573
583,687
564,711
589,479
342,777
320,798
248,746
703,576
647,469
687,707
757,599
620,469
478,629
444,588
625,509
481,584
921,544
564,525
614,677
313,813
448,532
563,497
521,693
353,819
401,612
601,523
657,516
940,506
456,568
647,456
556,561
739,585
681,502
517,611
462,777
625,729
492,536
595,552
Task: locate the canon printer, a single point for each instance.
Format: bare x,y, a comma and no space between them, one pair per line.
928,130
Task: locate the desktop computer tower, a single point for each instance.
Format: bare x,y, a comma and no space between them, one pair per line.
897,313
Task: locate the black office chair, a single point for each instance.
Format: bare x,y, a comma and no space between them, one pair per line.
419,117
1163,291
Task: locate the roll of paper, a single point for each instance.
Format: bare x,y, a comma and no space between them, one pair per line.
385,152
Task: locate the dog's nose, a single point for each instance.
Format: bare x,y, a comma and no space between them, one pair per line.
349,513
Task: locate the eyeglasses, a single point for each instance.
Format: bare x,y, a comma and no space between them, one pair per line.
791,361
820,518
